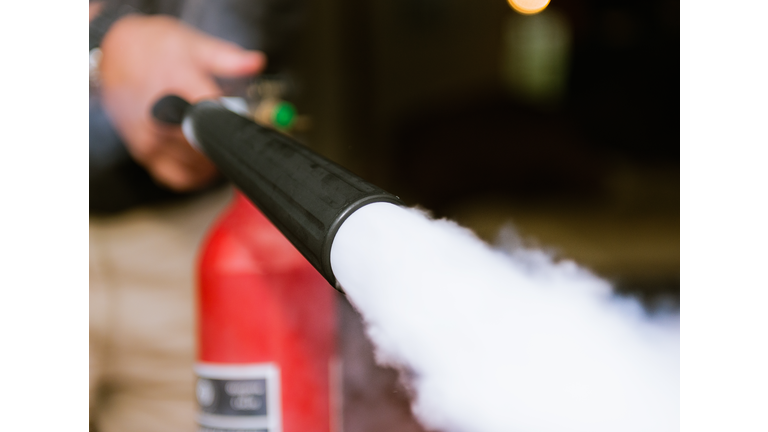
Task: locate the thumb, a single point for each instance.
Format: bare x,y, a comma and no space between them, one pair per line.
227,60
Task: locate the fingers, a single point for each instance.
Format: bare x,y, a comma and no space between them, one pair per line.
227,60
194,88
182,178
174,163
178,166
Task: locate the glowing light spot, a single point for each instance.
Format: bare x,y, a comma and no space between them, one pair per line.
528,7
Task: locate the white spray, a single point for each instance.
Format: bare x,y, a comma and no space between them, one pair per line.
489,341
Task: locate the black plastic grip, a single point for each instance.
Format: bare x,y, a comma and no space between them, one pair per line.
306,196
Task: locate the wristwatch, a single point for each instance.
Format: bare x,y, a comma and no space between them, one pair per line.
97,29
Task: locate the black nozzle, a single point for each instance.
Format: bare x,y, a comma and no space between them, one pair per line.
170,109
306,196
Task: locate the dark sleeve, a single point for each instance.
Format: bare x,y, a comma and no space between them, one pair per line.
266,25
151,7
270,26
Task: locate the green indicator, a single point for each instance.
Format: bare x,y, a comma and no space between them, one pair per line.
284,115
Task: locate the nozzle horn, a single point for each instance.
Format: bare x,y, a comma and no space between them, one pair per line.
170,109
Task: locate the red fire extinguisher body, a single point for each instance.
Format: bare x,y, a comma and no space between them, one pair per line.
266,330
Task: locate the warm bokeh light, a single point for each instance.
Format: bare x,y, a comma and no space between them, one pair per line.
528,7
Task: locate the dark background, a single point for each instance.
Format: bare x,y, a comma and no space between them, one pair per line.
580,155
416,96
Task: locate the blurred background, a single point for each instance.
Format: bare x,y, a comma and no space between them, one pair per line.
563,123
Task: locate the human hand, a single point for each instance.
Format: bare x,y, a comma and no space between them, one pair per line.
146,57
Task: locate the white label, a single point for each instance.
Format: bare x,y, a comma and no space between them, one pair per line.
238,397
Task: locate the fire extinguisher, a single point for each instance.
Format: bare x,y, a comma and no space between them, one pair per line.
266,311
266,330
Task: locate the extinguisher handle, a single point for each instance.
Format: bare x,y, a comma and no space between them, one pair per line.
306,196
